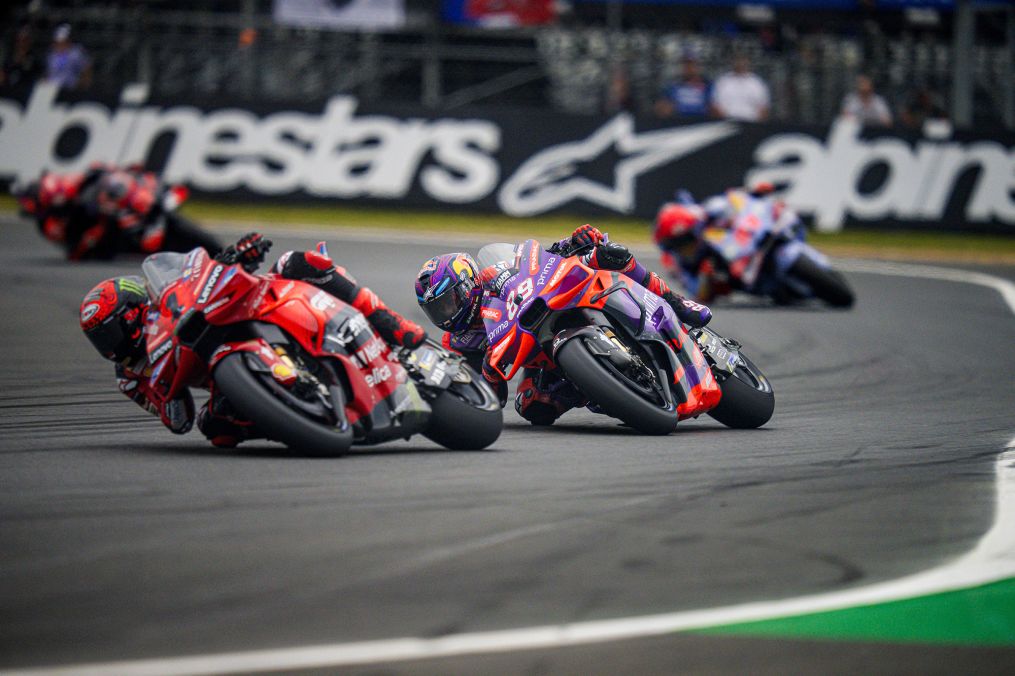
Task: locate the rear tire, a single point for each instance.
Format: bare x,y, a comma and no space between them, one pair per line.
601,387
458,423
828,285
274,418
747,398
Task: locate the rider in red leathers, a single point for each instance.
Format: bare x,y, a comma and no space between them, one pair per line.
113,317
450,290
105,211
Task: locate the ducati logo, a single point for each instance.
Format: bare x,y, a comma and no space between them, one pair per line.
551,178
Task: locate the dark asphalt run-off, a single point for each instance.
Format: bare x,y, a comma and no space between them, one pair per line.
119,540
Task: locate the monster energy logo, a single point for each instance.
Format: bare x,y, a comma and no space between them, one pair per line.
131,286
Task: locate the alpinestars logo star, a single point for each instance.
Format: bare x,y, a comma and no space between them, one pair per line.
551,177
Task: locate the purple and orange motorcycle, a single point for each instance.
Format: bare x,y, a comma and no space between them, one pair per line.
617,342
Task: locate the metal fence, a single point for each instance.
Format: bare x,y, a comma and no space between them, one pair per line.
195,53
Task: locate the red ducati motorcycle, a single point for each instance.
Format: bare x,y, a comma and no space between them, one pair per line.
307,369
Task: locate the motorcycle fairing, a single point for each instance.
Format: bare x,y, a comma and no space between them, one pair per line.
548,282
194,292
651,321
326,327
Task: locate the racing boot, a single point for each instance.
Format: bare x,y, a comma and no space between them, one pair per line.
315,267
393,327
544,396
688,312
221,424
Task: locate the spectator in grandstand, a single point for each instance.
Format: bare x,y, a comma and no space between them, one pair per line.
67,64
618,94
740,94
688,97
922,107
865,105
22,67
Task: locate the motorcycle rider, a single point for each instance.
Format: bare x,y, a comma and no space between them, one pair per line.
450,289
113,316
680,230
102,211
51,201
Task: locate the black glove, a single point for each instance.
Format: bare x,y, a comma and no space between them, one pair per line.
610,256
249,251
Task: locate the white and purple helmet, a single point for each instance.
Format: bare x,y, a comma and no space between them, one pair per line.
449,291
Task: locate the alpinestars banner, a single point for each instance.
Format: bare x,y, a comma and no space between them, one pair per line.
519,163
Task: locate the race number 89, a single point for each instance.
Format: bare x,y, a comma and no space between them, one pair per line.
520,294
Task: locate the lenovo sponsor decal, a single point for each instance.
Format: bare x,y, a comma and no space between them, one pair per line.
209,285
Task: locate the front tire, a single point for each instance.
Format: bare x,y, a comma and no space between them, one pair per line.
828,285
274,418
466,417
600,385
747,398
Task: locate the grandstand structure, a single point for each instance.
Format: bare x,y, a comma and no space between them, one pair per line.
964,54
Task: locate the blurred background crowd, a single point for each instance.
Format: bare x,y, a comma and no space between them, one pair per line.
890,63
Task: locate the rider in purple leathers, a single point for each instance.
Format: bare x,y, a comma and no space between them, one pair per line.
450,289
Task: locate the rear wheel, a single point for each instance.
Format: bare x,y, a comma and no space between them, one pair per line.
747,398
828,285
466,416
299,423
615,393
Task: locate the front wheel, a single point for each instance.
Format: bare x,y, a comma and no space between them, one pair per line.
258,400
466,416
747,398
828,285
612,392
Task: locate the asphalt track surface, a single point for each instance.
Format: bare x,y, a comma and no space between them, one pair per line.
119,540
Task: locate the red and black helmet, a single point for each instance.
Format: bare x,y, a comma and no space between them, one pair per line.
676,223
112,317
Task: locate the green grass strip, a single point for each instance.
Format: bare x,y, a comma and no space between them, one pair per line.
632,231
983,616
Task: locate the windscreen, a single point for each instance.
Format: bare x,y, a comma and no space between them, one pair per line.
160,270
491,254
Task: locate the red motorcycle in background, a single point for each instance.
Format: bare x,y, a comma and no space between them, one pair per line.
306,368
110,210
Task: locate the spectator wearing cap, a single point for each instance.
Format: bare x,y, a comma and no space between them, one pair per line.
67,64
22,66
865,105
689,96
740,94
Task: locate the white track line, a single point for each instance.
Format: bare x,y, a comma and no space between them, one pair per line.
991,560
1002,286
